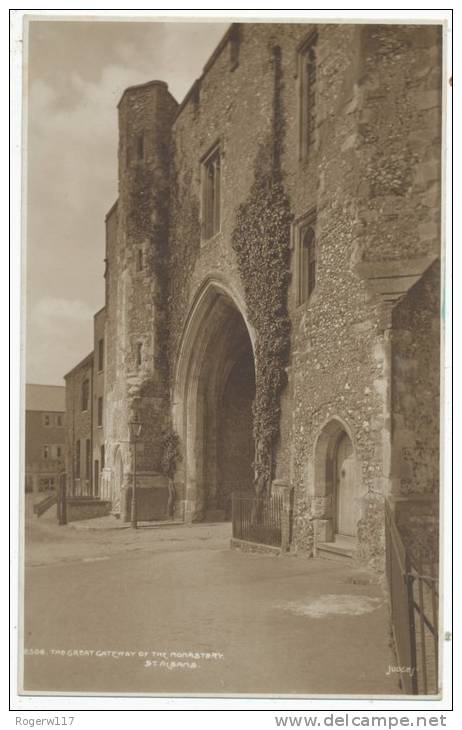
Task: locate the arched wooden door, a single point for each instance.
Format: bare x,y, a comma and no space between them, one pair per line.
347,503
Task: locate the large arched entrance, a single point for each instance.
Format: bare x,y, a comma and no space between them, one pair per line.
215,389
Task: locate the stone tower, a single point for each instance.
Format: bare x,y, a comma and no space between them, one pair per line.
136,264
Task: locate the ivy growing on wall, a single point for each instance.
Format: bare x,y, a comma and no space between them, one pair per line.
184,250
166,260
161,277
261,240
156,232
170,452
140,225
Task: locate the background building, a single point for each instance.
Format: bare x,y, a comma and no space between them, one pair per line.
80,413
85,418
45,436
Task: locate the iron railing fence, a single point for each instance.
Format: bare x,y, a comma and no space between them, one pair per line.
80,488
257,519
62,499
424,579
413,589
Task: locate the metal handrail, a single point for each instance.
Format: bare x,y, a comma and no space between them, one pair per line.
44,505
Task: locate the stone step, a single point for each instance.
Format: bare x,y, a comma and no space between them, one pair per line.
334,551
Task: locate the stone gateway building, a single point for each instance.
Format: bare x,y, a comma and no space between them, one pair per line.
272,313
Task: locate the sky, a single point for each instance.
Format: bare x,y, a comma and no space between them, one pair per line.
76,73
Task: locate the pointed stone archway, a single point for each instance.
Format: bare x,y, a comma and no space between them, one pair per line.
212,410
336,484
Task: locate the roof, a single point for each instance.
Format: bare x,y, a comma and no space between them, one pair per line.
45,397
146,85
112,209
221,45
87,360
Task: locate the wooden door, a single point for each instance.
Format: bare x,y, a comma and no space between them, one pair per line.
346,492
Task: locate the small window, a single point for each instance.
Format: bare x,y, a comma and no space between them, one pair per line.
46,451
59,420
102,456
46,419
57,451
139,260
77,459
85,394
211,194
139,353
100,411
307,79
305,256
306,264
140,147
100,355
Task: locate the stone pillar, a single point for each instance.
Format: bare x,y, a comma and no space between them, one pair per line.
323,530
280,487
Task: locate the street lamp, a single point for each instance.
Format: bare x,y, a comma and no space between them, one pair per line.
135,433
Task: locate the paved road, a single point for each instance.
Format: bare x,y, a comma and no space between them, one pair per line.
173,610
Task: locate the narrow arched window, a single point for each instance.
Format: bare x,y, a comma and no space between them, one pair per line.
211,195
139,354
77,459
309,111
307,264
85,394
307,84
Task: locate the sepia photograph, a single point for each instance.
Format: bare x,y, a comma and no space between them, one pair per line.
233,428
